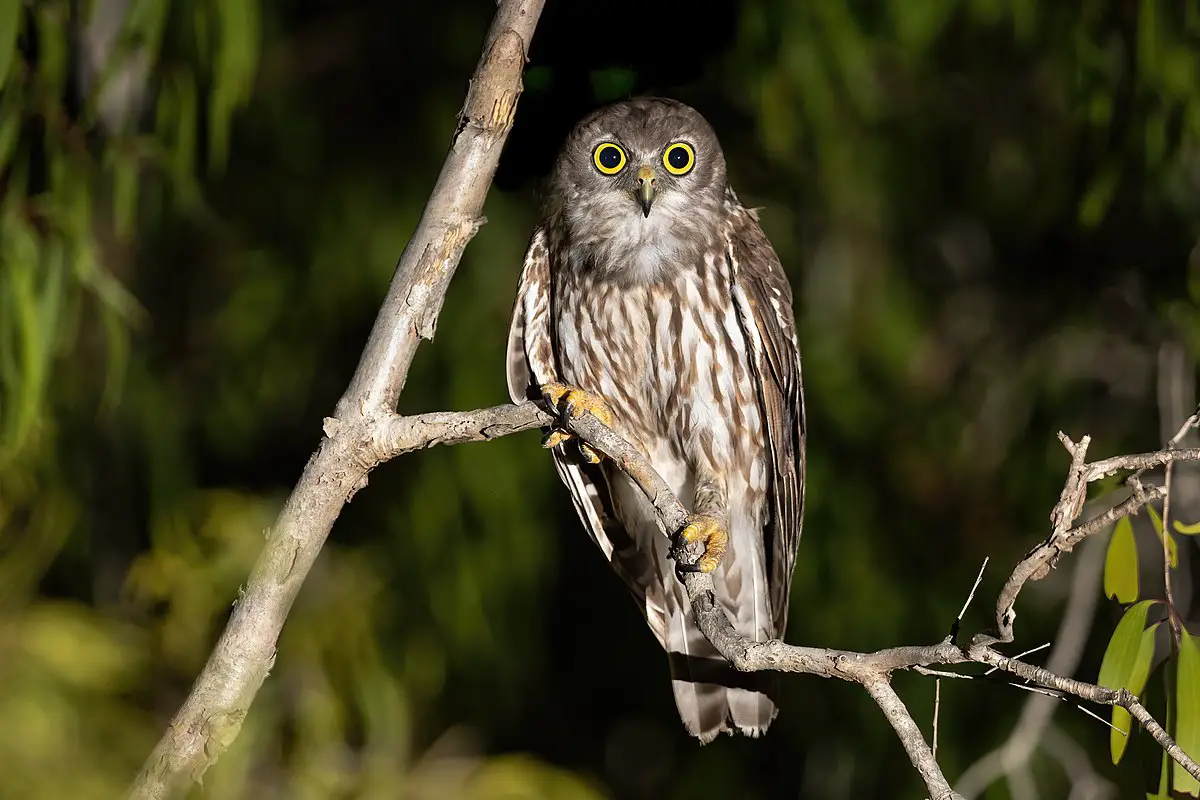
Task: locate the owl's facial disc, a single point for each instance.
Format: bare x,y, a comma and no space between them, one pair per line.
647,185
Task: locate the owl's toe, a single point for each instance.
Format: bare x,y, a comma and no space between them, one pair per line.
707,531
572,402
554,438
577,402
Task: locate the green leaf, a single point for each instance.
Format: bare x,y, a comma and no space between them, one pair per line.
10,29
123,170
1164,774
145,23
1121,564
1186,530
1137,684
1172,550
234,64
1187,711
1126,660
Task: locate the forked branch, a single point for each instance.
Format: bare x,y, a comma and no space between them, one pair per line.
873,670
355,437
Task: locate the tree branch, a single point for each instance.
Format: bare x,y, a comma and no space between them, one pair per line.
365,431
391,435
1033,726
211,716
910,736
872,670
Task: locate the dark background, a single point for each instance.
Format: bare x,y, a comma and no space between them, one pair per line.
987,210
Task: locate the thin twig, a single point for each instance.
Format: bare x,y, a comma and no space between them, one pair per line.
1173,615
1037,712
1039,561
1136,710
937,708
956,626
1022,655
871,670
939,673
910,736
1140,462
1169,595
971,595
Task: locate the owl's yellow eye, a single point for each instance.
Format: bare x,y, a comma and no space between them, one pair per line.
679,158
608,158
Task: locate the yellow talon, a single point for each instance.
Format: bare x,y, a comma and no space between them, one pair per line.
554,438
708,531
554,393
571,402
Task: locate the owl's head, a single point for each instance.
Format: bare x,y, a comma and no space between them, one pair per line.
636,183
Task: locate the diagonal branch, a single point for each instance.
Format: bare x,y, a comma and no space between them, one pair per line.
211,716
910,735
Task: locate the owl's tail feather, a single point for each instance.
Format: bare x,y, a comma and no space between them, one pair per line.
710,694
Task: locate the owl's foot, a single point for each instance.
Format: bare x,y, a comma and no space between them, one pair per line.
711,533
571,402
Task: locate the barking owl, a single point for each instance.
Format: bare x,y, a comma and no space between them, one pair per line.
650,296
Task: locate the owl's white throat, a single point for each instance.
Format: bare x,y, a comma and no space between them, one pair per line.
650,245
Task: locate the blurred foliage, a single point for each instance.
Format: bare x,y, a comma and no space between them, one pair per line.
1133,653
989,211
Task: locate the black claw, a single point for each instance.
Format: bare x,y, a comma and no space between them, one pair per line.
679,551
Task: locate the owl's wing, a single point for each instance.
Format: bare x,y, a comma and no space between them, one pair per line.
763,298
530,349
531,363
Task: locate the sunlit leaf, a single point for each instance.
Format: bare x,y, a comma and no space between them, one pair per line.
1187,711
1126,660
1172,549
520,777
1121,564
233,72
58,635
1186,530
1136,685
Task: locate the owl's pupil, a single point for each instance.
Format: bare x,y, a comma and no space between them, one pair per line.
677,158
610,157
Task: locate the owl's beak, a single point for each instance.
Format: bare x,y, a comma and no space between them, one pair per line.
645,191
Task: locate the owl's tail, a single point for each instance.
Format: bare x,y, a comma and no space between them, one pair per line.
710,694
